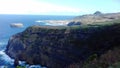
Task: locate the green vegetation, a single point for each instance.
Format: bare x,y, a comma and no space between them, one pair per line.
110,59
106,23
20,67
47,29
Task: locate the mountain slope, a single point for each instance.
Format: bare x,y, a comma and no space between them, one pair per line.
96,17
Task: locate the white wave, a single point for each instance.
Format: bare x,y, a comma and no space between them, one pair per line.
54,24
22,63
38,21
2,43
6,58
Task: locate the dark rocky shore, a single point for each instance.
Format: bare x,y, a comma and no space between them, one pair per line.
60,47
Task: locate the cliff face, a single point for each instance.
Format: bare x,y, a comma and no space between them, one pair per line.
58,47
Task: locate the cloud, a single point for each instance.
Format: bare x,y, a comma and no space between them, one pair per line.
33,7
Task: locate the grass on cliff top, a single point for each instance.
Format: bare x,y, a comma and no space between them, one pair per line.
96,24
83,26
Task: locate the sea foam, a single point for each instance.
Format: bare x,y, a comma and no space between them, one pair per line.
6,58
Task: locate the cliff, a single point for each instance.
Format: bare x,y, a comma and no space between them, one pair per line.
58,47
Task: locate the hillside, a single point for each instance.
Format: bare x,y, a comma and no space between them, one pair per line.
95,18
64,46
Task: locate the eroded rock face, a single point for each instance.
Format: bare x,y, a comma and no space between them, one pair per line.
18,46
59,47
73,23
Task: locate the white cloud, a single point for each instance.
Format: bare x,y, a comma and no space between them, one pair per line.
32,7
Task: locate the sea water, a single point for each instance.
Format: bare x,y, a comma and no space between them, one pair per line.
6,31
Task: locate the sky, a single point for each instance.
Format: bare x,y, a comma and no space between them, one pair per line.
58,7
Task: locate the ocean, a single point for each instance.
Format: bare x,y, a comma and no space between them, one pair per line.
27,20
